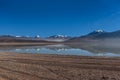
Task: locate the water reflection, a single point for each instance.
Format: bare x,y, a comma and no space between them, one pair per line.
84,50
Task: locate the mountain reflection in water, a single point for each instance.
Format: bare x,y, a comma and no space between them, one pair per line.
83,50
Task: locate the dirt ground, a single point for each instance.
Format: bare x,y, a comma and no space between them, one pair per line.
15,66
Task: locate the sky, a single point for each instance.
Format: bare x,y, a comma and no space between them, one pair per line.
50,17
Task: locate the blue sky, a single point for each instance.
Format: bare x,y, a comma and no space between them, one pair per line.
49,17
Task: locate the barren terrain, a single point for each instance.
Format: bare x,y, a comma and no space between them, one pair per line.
14,66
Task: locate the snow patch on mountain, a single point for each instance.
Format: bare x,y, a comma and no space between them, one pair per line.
99,31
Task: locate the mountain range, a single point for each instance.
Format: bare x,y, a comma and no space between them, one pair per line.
97,35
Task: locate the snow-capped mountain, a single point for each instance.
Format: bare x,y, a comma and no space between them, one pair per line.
96,35
58,38
37,36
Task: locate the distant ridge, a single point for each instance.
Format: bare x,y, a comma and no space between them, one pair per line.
8,38
97,35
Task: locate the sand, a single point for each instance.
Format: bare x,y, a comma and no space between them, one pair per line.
15,66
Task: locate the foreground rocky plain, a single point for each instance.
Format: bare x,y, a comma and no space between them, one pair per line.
18,66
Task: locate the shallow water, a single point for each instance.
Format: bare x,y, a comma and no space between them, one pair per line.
65,50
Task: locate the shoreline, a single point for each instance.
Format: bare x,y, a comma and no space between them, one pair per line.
17,66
